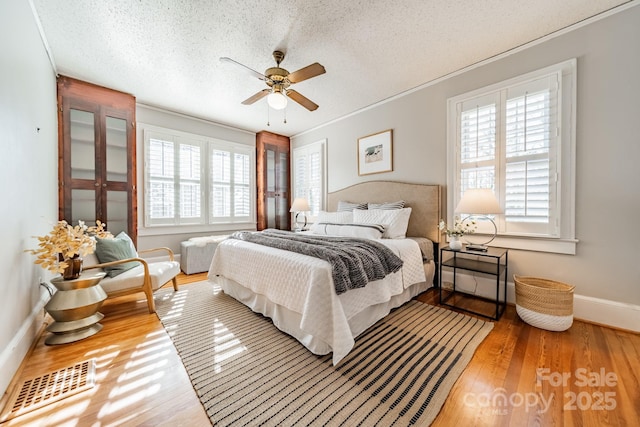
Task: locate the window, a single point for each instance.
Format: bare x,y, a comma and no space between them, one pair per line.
517,138
193,180
230,185
309,175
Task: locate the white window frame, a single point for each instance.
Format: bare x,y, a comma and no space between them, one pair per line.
562,238
206,221
304,189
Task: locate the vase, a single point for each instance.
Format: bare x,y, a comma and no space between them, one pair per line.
74,268
455,243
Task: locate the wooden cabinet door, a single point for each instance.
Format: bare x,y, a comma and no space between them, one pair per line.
273,181
97,156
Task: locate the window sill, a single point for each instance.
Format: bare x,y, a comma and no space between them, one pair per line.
186,229
536,244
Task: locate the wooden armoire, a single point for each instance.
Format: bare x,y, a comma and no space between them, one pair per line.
96,156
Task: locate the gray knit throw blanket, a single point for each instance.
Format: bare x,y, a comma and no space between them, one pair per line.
355,261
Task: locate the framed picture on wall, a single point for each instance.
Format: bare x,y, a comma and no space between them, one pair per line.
375,153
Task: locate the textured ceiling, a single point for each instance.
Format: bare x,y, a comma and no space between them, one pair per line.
166,52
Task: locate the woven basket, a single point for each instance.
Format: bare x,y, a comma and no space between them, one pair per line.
544,303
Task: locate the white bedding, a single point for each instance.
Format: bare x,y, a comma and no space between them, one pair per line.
297,291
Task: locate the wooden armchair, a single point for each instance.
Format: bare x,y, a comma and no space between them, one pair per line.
147,277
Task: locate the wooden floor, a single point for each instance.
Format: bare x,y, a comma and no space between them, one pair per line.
519,376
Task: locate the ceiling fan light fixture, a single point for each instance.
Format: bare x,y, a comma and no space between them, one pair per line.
277,100
278,79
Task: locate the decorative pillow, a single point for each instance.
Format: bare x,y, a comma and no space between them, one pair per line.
395,221
387,205
349,206
366,231
115,249
334,218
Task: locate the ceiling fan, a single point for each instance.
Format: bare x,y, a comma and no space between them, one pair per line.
278,79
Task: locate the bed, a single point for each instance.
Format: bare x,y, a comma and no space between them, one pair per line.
297,291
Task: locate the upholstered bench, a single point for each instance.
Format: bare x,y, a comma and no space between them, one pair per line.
196,253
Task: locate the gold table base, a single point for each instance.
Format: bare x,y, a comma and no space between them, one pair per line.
74,308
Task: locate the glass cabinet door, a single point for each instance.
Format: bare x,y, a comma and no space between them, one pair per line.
271,196
83,144
115,211
116,140
83,206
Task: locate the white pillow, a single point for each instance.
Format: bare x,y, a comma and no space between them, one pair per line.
366,231
349,206
395,221
334,217
387,205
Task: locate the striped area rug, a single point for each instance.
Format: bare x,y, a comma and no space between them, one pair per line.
247,372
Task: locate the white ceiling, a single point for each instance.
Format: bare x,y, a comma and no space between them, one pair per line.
166,52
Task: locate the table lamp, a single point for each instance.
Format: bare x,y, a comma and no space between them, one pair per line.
299,206
480,202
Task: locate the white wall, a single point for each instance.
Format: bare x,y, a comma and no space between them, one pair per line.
606,265
28,175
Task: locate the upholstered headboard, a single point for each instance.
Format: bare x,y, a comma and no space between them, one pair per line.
423,199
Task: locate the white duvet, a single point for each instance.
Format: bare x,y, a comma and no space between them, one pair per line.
304,285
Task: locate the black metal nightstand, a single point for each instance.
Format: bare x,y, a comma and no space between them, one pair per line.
492,262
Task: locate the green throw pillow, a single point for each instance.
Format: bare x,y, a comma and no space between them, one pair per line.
115,249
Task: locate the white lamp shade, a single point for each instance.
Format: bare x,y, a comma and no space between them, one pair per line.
277,100
299,205
479,201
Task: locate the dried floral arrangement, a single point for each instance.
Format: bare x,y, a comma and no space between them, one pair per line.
65,242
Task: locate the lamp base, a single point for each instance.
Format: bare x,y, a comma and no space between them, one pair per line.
298,227
480,248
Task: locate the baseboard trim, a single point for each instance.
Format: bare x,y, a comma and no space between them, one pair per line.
13,355
603,312
613,314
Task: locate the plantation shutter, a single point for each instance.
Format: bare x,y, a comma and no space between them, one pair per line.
160,176
308,175
300,170
191,180
220,184
190,187
508,142
478,143
315,182
173,181
242,186
230,185
531,141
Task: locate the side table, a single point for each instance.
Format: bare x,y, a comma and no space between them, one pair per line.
493,262
74,308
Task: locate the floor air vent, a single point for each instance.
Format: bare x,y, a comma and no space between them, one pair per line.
37,392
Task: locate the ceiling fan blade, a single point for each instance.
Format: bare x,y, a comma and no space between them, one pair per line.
251,71
302,100
256,97
307,72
